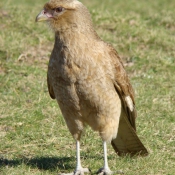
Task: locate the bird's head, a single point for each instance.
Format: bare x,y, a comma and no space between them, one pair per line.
65,14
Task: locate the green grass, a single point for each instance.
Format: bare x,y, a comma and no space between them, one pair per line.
33,136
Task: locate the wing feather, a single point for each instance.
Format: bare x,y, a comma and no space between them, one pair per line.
123,87
127,141
50,88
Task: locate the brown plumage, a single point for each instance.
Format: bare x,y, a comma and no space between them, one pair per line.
87,78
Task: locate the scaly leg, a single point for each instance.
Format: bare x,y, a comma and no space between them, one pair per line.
105,170
79,170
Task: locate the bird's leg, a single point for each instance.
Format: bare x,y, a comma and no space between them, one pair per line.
106,167
105,170
78,166
79,170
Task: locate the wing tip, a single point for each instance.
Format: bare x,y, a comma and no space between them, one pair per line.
140,152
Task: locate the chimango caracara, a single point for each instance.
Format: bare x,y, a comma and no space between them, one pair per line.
87,78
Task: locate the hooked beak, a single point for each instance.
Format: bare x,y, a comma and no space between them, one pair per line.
42,16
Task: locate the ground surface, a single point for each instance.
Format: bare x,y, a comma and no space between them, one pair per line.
33,136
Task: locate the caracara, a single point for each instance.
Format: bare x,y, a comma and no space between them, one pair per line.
87,78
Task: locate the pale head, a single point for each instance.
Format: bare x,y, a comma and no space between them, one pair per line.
65,14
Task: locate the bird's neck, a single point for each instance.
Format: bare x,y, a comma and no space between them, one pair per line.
76,38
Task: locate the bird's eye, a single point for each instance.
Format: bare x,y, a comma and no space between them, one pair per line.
59,9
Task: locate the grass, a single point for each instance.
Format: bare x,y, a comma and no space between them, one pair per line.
33,134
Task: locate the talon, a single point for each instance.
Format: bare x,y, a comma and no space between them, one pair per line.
82,171
78,172
103,171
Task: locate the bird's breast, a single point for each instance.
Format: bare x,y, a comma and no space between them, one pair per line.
62,72
79,81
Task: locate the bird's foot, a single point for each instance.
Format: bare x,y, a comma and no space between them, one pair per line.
107,171
104,171
80,171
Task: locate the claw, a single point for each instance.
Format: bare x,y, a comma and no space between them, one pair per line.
103,171
78,172
82,171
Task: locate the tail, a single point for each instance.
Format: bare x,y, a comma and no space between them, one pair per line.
127,141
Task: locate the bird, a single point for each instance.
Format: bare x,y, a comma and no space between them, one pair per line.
87,78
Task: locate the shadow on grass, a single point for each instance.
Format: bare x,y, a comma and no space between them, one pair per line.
42,163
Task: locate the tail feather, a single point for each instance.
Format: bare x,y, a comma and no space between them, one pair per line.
127,141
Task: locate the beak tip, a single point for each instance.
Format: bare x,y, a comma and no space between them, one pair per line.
41,17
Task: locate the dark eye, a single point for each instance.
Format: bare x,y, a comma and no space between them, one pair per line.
59,9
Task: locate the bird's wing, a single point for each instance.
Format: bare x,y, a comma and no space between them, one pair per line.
123,87
50,88
127,141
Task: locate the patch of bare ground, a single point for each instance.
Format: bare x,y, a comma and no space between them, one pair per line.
3,13
4,129
127,62
2,70
38,55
